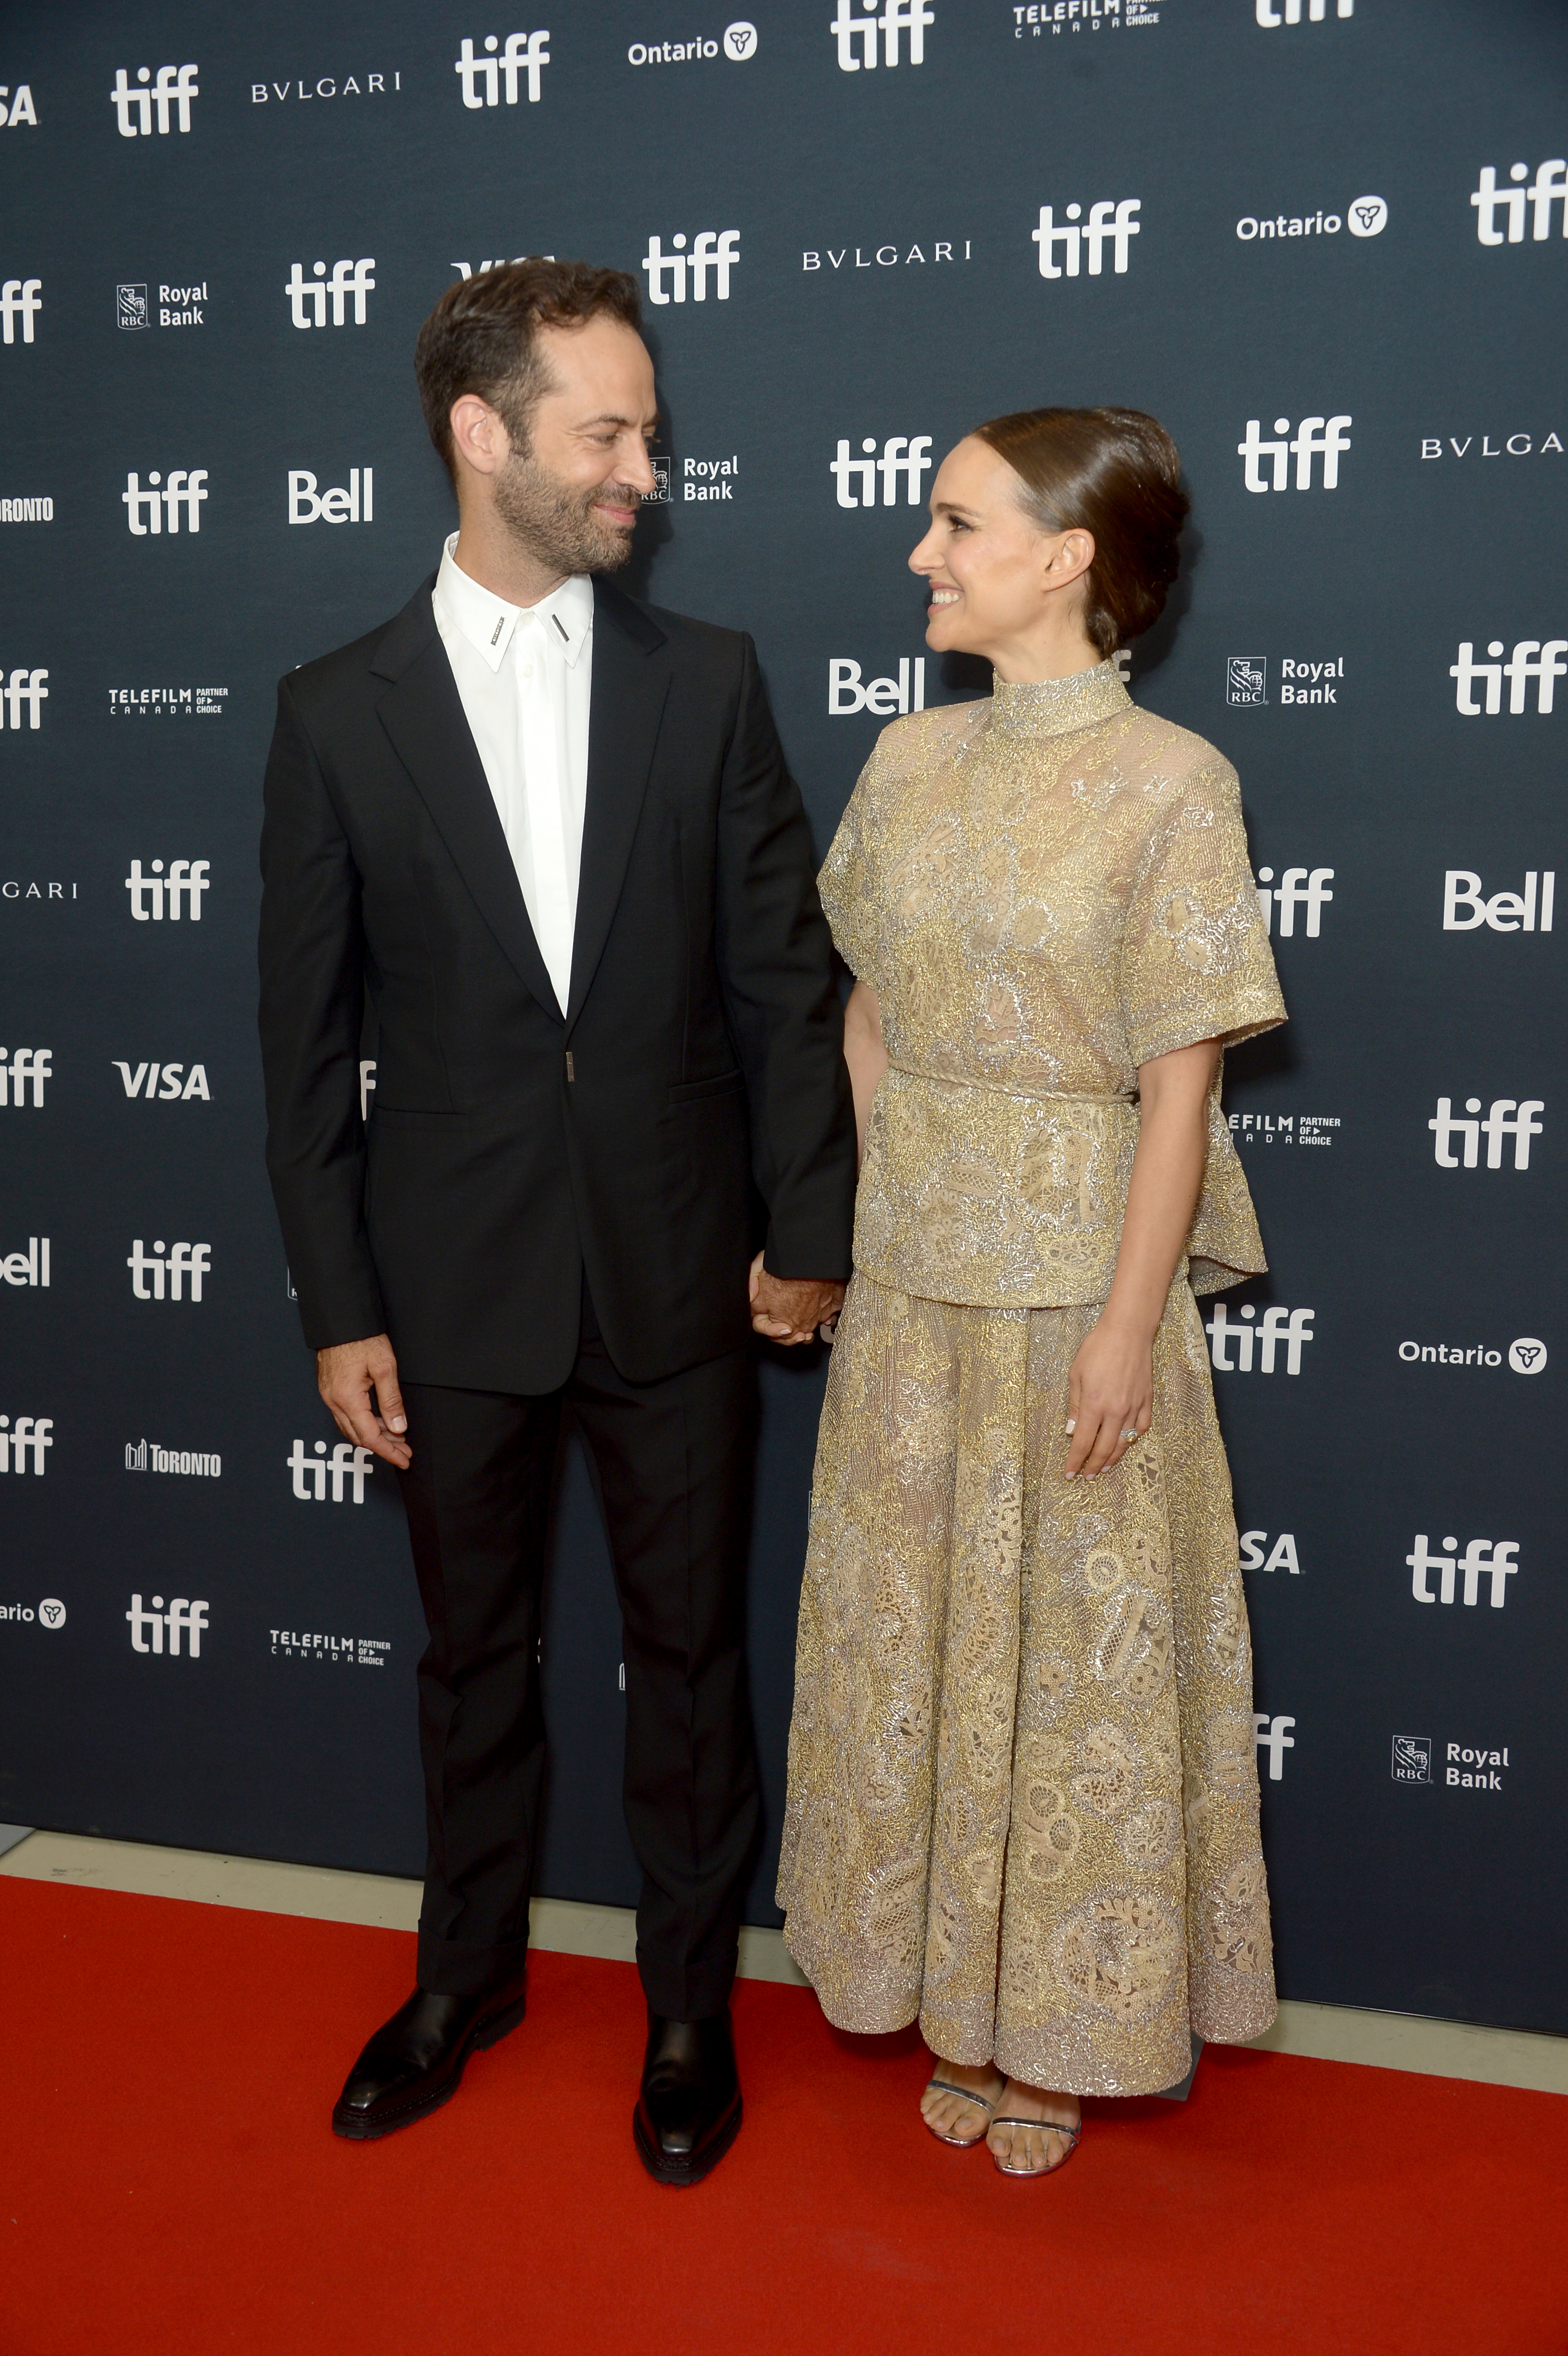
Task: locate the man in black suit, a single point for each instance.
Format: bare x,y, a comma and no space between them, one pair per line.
551,832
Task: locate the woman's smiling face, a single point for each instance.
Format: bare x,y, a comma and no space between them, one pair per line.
994,576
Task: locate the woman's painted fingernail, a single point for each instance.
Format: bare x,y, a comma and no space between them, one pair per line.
1071,1426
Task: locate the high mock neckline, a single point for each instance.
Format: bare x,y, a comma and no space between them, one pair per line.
1049,707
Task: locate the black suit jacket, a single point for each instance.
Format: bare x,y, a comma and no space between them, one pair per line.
507,1149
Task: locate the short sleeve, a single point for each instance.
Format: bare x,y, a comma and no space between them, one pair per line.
848,884
1196,962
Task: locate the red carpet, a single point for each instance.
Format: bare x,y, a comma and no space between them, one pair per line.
170,2183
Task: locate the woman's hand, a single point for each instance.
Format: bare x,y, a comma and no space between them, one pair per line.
1110,1393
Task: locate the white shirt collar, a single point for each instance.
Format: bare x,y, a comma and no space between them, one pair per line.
489,624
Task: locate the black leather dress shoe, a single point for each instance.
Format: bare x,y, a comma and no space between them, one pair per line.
688,2113
415,2061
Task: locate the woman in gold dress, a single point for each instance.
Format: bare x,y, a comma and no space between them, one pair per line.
1023,1799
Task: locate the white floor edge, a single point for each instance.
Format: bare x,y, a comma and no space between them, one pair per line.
1389,2040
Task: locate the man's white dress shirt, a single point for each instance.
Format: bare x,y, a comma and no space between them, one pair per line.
524,675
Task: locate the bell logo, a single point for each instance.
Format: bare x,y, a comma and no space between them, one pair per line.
346,1462
525,54
192,1260
1316,437
1270,1734
1108,222
1533,658
1283,1558
901,454
718,251
307,505
187,880
28,1066
1506,1116
28,1431
1466,909
183,1618
856,34
19,299
135,109
1287,1326
1549,187
349,282
1492,1556
883,696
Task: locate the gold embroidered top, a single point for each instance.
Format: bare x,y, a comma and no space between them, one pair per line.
1045,890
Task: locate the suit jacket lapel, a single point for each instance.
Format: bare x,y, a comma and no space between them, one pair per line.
422,714
631,681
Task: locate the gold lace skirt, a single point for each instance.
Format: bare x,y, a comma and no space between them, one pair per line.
1023,1801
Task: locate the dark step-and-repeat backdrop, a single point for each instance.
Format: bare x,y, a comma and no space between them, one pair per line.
1327,243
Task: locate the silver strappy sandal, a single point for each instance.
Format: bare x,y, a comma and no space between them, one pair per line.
1046,2126
964,2095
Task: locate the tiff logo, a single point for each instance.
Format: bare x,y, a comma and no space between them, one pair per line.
1108,222
195,1086
1533,658
349,281
35,1064
1505,912
1270,1734
1505,1117
19,299
27,1432
1473,1562
1316,437
182,489
1298,887
1317,11
902,454
194,1261
1549,187
856,35
175,87
1287,1326
346,1462
183,1617
23,686
307,505
525,53
187,880
715,249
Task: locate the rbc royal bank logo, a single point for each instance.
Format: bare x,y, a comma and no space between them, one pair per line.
1110,222
20,299
500,70
903,456
1536,659
1549,187
135,109
1315,438
712,250
855,30
1411,1759
1506,1118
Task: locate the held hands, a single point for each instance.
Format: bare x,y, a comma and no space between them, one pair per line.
792,1309
359,1380
1110,1394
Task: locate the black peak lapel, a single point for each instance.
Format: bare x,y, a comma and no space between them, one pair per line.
631,681
422,714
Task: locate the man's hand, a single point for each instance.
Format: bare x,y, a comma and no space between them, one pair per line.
359,1380
791,1309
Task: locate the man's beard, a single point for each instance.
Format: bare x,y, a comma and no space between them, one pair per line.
558,523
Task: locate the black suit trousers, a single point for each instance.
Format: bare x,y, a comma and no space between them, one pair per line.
674,1463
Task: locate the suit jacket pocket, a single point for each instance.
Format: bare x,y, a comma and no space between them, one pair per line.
694,1091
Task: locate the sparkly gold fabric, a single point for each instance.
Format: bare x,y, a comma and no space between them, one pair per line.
1022,1797
1046,889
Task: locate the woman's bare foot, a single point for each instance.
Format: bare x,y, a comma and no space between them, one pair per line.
1046,2139
949,2116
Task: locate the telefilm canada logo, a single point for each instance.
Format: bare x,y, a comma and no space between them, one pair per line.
1034,18
150,106
496,76
355,1652
176,306
866,39
168,702
1113,223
